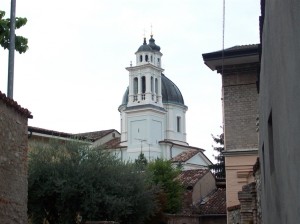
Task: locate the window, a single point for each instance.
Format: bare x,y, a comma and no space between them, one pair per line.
143,84
156,86
146,58
151,58
271,146
178,124
141,58
135,89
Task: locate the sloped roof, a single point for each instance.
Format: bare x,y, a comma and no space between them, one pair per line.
113,143
185,156
214,203
15,105
50,132
189,178
95,134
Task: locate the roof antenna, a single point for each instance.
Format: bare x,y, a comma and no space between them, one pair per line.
151,31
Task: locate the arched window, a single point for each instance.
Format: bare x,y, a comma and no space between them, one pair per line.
156,86
178,124
143,84
151,58
152,84
135,88
141,58
146,57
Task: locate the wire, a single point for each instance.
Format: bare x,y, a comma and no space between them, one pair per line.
223,36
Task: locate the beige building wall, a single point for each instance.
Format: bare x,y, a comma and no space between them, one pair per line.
203,187
238,173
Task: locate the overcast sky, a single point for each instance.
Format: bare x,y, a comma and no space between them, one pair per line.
73,77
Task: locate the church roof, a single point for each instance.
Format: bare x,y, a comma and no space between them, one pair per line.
149,47
186,155
170,92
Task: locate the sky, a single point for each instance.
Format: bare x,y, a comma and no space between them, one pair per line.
73,77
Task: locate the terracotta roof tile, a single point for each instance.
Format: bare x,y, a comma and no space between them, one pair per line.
214,203
15,105
95,134
186,155
55,133
113,143
189,178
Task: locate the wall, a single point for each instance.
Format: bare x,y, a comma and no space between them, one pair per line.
279,112
203,187
13,163
238,173
240,111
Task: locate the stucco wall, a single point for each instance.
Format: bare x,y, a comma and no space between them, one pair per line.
203,187
279,112
238,173
13,166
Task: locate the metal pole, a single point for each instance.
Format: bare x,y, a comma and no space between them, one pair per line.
11,54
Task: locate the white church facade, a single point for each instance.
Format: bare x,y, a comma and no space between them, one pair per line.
153,113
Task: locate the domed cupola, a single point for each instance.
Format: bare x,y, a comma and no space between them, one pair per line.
152,44
149,53
144,47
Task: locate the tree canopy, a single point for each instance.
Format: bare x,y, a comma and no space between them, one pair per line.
21,43
164,175
73,180
219,167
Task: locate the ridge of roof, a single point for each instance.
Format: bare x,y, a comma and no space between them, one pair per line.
54,133
10,102
94,135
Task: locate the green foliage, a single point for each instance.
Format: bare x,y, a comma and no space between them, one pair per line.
141,162
164,175
21,43
71,178
219,168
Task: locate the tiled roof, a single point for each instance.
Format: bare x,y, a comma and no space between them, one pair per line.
54,133
15,105
113,143
184,156
96,134
214,203
189,178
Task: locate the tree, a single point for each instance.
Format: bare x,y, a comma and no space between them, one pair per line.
73,180
21,43
141,162
164,175
219,168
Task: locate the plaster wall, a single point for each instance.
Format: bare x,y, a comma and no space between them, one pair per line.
279,112
238,173
13,166
203,187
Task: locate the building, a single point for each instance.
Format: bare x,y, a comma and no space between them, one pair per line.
13,161
153,113
239,67
279,117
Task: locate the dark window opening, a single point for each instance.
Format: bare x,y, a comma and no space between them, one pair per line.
141,58
143,84
146,57
178,124
271,146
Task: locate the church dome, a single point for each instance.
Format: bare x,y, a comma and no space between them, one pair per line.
153,45
144,47
170,92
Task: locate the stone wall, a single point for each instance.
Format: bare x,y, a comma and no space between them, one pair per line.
183,219
13,162
234,214
240,111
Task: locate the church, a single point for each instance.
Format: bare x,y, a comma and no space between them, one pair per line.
152,117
